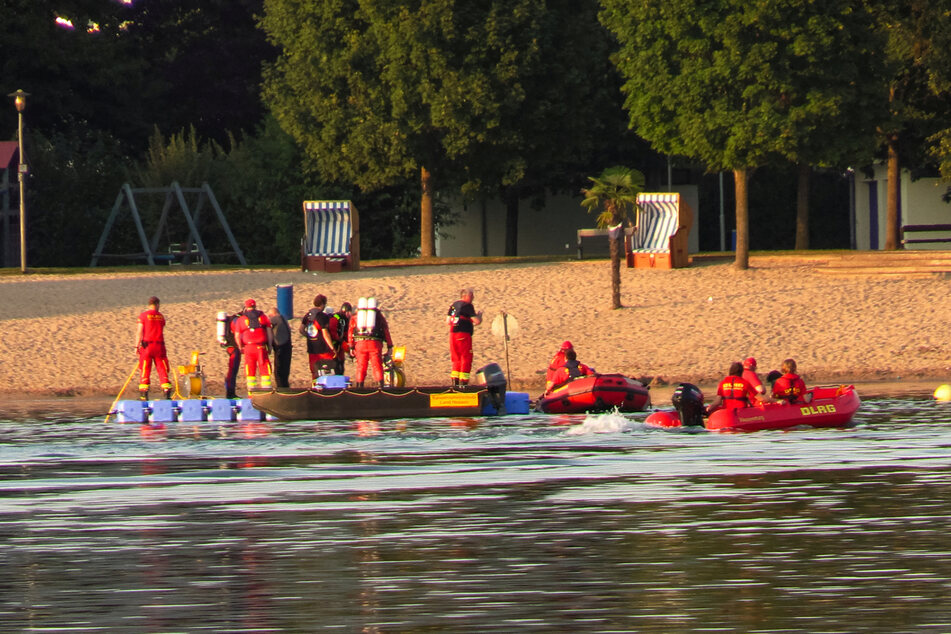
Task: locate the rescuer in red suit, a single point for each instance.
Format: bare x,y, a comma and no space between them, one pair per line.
252,330
733,391
367,333
461,317
749,373
557,361
789,387
150,346
570,369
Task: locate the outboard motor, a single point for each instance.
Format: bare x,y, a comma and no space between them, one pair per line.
688,401
492,377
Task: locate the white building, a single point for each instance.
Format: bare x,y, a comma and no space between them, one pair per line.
548,231
919,203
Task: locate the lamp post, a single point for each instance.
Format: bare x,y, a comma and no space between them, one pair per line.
19,100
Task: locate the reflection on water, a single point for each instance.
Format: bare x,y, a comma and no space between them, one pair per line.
499,524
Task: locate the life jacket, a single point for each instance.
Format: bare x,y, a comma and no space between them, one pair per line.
735,392
789,387
573,368
253,331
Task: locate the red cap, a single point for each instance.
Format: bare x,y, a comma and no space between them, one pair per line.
249,303
749,363
566,345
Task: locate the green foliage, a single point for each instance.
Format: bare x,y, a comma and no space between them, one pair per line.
612,194
74,179
738,84
183,158
376,90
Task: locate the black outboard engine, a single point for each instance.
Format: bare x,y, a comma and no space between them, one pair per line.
492,377
688,401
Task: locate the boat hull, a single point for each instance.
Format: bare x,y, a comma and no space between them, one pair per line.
596,393
371,403
827,407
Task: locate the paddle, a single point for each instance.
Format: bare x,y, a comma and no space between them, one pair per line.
119,395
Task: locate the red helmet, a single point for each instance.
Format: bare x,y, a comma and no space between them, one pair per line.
749,363
566,345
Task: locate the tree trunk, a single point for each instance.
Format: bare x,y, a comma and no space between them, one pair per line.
616,242
802,208
892,237
511,221
427,234
742,260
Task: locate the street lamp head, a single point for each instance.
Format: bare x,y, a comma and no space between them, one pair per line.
19,99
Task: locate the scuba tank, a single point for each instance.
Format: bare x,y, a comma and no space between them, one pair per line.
371,315
221,327
361,314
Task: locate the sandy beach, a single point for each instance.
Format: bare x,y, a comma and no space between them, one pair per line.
74,335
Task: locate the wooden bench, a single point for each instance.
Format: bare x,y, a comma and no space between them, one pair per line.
906,229
589,233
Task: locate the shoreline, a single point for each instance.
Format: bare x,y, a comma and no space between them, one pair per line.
71,336
91,405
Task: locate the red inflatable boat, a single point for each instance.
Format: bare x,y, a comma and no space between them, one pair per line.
826,406
596,393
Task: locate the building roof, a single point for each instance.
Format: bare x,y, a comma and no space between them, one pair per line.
8,150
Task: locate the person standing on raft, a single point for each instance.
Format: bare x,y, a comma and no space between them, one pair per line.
733,392
367,333
150,346
461,318
252,329
339,327
282,347
320,346
227,341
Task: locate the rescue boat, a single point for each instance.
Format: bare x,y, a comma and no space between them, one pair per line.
335,399
823,406
596,393
389,402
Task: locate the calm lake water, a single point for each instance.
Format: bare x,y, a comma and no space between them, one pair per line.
533,523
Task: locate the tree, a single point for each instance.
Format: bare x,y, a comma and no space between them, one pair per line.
204,64
613,193
376,90
919,38
728,83
547,140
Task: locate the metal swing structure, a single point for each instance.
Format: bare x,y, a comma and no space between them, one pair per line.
193,249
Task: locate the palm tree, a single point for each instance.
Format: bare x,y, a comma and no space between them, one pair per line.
613,193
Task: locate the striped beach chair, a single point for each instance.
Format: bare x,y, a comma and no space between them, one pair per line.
331,240
659,239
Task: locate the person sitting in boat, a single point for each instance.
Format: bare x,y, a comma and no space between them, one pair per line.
733,391
789,387
570,369
749,373
557,361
